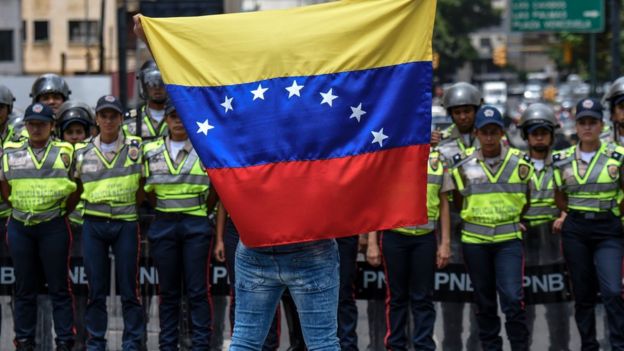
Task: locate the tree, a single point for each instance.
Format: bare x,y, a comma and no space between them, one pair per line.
455,19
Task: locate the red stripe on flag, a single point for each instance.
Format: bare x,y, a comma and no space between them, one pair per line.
299,201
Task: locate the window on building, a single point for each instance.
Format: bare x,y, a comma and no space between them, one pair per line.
24,32
41,31
83,32
6,45
485,43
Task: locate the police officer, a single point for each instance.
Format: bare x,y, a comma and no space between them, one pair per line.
615,98
180,236
589,187
6,110
461,100
148,118
37,183
109,171
75,121
410,256
492,188
50,89
543,218
74,124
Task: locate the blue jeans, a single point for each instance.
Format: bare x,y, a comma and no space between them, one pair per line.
310,271
230,243
409,263
498,268
593,251
122,236
46,244
181,248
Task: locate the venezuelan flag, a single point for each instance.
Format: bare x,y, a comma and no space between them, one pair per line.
313,122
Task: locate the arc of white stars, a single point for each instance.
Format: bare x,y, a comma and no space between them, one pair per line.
204,127
357,112
259,92
379,137
294,89
328,97
227,104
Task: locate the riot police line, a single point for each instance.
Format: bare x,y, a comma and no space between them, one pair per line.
544,281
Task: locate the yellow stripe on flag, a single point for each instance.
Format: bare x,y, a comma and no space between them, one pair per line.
341,36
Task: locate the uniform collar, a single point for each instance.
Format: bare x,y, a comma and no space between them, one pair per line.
501,156
118,143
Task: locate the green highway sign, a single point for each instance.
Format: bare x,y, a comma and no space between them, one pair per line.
557,15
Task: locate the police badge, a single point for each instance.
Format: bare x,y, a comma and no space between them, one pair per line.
434,162
523,171
65,159
613,171
133,150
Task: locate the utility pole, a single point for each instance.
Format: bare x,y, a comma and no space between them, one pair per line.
122,49
615,39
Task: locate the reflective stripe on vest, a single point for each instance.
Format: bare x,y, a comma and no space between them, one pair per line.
491,231
110,173
542,211
108,209
181,178
487,188
28,217
594,203
592,188
180,203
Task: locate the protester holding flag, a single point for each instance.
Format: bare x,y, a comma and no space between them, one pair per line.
492,191
410,257
317,117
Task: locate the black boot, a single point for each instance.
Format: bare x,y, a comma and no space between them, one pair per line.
64,346
24,344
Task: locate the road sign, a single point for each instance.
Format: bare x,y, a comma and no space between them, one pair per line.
557,15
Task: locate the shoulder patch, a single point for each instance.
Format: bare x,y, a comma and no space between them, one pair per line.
523,171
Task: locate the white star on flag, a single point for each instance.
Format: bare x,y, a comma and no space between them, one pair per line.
227,104
259,92
294,89
379,137
357,112
204,127
328,97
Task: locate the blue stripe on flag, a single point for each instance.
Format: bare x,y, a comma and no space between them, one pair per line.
365,111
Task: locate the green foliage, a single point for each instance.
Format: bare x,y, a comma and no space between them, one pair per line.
455,19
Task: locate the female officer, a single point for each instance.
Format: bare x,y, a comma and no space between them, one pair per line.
75,121
38,235
589,188
410,256
109,171
180,235
492,189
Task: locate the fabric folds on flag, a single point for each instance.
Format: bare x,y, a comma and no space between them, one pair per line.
312,122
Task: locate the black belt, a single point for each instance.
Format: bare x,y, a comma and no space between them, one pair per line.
93,218
172,215
591,215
